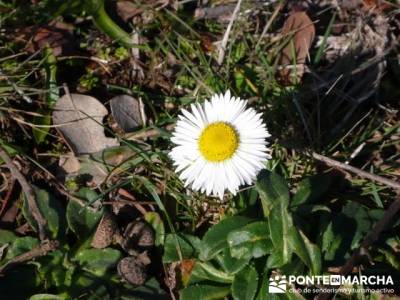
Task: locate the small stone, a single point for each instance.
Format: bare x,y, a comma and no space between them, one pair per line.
132,270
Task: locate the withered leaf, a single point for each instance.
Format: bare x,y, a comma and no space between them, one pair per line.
127,10
58,37
301,32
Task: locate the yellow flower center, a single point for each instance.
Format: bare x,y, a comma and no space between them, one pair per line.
218,142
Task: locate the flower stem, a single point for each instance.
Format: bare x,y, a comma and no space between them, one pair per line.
101,19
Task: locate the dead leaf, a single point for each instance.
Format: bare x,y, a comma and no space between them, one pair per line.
69,163
79,118
127,112
58,37
379,5
127,10
293,57
186,267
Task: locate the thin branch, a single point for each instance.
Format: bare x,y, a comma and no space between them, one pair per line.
339,165
28,191
224,42
36,252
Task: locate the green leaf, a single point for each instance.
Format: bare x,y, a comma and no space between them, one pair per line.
206,272
230,264
204,292
6,236
52,270
82,218
311,189
51,210
274,195
214,241
155,221
280,222
150,290
244,286
188,245
97,261
330,242
361,219
273,191
252,240
21,245
308,252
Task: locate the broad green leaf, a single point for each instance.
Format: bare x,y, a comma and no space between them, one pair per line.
275,260
280,222
214,241
97,261
204,292
274,195
252,240
273,190
52,270
155,221
86,286
21,245
230,264
6,236
82,218
244,286
359,218
330,242
187,245
308,252
203,271
311,188
51,210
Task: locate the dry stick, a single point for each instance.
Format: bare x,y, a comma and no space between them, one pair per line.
28,191
359,172
40,250
224,42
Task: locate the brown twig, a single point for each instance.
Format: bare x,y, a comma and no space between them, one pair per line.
28,191
36,252
339,165
7,197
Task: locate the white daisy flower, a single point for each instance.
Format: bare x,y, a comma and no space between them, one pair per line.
219,145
